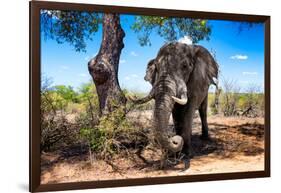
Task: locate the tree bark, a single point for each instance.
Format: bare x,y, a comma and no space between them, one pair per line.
104,66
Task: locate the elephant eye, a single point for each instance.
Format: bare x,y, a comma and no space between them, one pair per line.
184,64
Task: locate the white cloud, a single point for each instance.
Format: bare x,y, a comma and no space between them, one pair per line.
250,73
131,76
64,67
82,75
186,40
133,53
122,61
239,57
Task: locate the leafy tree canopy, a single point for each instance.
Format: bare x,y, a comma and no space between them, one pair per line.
75,27
170,28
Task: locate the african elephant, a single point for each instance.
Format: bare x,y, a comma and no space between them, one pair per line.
180,76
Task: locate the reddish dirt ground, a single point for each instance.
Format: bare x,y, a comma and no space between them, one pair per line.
236,145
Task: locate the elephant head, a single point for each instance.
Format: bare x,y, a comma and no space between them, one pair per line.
170,74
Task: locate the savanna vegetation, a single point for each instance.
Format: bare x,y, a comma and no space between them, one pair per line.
96,123
229,100
71,118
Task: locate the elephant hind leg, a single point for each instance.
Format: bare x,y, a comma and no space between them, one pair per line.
203,117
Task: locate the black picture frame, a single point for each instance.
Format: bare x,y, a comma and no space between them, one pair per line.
34,99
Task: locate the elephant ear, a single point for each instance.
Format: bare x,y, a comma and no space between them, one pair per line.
205,66
150,75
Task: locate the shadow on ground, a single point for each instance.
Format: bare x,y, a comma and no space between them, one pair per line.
226,141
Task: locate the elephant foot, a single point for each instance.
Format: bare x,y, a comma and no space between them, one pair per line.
204,137
188,154
188,151
186,162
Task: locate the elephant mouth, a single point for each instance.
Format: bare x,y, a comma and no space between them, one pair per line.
182,100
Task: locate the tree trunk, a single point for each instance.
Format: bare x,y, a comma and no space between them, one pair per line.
104,66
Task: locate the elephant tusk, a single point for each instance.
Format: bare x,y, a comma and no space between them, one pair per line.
181,101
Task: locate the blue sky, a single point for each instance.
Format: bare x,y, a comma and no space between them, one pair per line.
239,54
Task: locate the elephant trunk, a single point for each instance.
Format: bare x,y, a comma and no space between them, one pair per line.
163,108
144,99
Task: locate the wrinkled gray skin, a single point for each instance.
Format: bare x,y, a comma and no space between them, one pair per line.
182,71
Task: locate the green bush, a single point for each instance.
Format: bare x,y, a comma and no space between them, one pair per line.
94,137
56,130
75,108
108,135
212,105
57,102
73,117
251,104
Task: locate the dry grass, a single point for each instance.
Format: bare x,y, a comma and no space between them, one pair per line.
236,144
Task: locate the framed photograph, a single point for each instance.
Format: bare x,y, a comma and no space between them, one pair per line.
124,96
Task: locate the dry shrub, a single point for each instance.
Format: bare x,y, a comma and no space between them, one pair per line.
56,130
113,133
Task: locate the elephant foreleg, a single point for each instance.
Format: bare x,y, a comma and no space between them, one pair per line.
187,129
203,117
